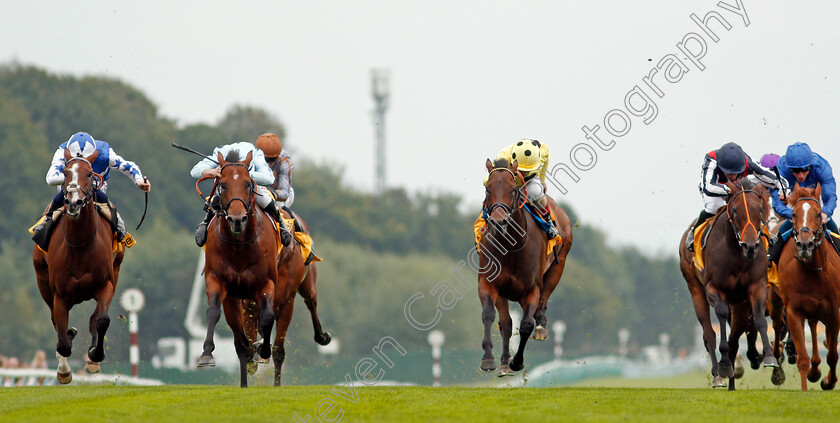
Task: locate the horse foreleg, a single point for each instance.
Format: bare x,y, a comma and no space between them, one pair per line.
832,327
309,291
61,315
487,296
215,295
814,373
99,323
739,316
701,310
266,319
758,301
725,368
549,283
233,315
796,326
284,317
752,352
526,326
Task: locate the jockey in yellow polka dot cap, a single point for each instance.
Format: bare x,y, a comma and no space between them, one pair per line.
532,158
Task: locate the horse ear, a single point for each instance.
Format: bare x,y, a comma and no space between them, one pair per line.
515,166
220,159
248,158
818,192
93,156
67,155
489,165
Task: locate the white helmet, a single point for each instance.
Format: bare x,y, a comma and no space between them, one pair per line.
81,144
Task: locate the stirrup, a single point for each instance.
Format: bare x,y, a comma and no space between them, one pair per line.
201,234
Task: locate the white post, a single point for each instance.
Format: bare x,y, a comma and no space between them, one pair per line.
559,328
436,339
516,318
623,339
132,301
664,339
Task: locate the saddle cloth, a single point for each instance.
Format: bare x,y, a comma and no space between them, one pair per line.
701,235
481,224
105,211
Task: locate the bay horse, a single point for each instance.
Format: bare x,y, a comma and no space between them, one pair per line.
80,265
241,261
809,274
294,275
735,277
523,272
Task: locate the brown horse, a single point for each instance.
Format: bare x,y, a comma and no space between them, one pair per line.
241,253
294,276
514,265
735,277
80,265
809,274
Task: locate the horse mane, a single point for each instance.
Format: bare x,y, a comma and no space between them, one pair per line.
232,156
501,162
798,193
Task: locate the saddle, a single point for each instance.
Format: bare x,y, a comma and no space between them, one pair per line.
42,237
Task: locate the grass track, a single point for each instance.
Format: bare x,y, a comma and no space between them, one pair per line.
183,403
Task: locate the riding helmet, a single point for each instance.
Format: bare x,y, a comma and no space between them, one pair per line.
81,144
731,159
270,145
798,156
526,152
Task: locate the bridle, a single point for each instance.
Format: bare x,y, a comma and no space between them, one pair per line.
818,234
252,194
88,196
222,211
761,224
509,209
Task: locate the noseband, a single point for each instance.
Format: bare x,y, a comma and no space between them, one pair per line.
740,235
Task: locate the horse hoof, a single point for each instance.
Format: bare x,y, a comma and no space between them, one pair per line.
755,359
71,333
206,361
93,367
778,377
739,367
93,356
770,361
719,382
488,364
251,367
505,371
726,371
258,347
517,365
64,378
792,358
323,340
814,375
540,333
826,386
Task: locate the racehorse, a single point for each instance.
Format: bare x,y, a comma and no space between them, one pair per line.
241,261
735,277
80,265
809,272
519,271
294,275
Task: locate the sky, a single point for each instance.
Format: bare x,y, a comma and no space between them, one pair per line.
470,77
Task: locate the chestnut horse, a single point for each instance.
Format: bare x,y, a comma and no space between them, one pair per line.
241,254
293,276
809,274
735,277
80,265
518,271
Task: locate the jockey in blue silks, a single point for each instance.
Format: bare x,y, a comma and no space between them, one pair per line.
82,144
802,166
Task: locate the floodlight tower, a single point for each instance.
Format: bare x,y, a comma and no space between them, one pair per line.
380,91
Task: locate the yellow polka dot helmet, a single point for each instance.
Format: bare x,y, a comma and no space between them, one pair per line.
526,152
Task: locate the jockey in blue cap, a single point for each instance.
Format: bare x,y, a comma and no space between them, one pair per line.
802,166
729,163
81,144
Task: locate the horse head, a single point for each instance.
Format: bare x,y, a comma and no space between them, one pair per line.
807,220
79,182
236,189
747,212
501,194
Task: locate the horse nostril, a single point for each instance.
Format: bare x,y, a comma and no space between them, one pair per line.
66,202
79,202
810,245
244,220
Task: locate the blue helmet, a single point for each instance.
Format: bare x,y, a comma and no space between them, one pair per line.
799,156
731,159
81,144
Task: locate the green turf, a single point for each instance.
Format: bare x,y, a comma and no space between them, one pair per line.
185,403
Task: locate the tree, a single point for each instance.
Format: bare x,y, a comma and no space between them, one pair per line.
246,123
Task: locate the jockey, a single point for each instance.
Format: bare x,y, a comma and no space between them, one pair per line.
802,166
281,164
81,144
729,163
532,159
261,174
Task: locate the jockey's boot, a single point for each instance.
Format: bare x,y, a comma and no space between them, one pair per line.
775,252
285,235
689,240
552,231
201,229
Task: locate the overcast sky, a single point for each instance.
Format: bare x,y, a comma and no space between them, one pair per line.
468,78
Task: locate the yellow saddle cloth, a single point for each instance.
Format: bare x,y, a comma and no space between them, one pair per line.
481,224
772,272
117,246
303,239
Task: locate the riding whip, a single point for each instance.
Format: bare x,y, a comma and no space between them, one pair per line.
181,147
145,205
